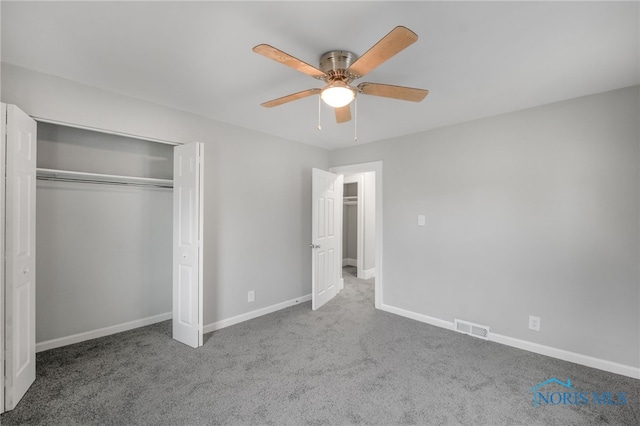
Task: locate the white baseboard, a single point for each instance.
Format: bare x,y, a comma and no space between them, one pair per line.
349,262
368,273
418,317
101,332
600,364
589,361
254,314
106,331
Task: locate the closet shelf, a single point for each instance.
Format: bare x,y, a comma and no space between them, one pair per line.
350,200
101,178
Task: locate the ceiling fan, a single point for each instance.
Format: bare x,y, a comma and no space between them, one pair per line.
338,68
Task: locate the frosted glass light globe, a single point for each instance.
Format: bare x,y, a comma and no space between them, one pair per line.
337,94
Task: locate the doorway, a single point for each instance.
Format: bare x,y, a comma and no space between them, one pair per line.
371,198
358,230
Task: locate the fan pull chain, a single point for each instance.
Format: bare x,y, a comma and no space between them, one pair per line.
355,120
319,109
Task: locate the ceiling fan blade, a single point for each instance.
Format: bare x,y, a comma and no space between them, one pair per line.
289,98
288,60
397,40
396,92
343,114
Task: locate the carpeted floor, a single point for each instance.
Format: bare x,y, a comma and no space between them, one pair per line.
344,364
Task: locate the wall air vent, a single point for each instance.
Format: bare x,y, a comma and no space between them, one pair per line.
475,330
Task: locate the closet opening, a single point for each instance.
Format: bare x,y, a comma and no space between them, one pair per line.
351,245
371,196
358,225
104,221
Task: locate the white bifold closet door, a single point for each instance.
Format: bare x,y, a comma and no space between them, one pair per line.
19,326
187,243
326,236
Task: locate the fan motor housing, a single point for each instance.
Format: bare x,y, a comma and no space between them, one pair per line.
336,63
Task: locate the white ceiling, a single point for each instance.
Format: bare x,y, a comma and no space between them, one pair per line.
477,58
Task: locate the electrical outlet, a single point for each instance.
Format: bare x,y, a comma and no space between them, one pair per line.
534,323
251,296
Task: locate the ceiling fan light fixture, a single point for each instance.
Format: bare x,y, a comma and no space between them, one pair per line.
338,94
339,68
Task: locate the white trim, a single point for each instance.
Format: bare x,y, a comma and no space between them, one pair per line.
418,317
368,273
3,139
108,132
349,262
254,314
375,166
200,243
589,361
101,332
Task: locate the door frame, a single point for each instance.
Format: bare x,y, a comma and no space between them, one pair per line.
3,135
376,167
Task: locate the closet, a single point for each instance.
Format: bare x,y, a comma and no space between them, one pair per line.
350,225
119,238
120,231
104,232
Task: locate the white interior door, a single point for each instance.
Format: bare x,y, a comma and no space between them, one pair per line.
187,243
326,238
20,256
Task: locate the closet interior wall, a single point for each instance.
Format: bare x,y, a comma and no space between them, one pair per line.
104,249
350,225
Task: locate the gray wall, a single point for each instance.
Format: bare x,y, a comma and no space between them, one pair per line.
103,256
257,209
533,212
350,232
67,148
350,189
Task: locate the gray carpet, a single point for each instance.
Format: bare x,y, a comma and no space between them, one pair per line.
344,364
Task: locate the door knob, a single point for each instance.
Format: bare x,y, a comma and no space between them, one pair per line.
25,271
314,246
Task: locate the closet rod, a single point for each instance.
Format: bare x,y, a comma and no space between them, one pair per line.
108,132
104,182
100,178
